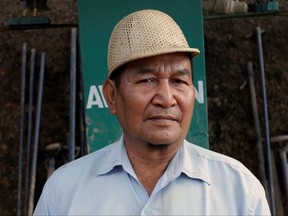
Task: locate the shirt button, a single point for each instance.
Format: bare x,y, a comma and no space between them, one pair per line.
147,211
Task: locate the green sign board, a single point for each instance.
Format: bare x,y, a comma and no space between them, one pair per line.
96,22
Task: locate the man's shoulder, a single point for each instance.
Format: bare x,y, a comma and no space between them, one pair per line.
219,163
89,163
227,176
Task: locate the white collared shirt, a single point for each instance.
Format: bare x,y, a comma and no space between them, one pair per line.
196,182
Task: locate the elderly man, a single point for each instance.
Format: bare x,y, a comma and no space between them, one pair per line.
152,169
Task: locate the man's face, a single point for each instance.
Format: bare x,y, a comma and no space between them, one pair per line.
155,99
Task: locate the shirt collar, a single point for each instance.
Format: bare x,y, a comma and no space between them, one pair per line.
187,160
116,156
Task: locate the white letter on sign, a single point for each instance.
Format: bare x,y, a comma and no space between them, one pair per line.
199,94
93,93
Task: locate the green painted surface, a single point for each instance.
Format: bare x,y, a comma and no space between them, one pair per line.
96,20
28,21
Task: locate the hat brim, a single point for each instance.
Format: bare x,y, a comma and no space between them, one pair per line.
192,52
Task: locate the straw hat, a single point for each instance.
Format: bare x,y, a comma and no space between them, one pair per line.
145,33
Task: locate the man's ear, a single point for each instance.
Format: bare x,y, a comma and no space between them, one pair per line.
109,91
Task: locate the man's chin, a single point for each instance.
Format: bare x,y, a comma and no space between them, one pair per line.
159,145
163,143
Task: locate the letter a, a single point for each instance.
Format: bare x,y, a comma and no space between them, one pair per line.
93,93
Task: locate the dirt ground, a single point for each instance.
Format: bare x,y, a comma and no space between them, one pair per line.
229,45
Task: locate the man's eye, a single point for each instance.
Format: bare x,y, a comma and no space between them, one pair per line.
148,80
178,81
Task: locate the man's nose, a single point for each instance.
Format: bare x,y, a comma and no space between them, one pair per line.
164,95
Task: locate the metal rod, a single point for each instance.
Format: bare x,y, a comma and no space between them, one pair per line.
83,140
36,136
257,126
36,27
35,4
25,4
266,120
29,132
245,15
21,131
280,138
72,94
284,166
35,7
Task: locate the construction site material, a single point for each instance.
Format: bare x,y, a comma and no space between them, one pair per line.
264,5
224,6
253,9
73,92
52,150
280,138
29,130
36,135
266,121
235,6
279,211
260,152
21,126
20,21
34,6
284,166
82,125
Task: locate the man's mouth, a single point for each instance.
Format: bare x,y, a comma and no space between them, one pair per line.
163,118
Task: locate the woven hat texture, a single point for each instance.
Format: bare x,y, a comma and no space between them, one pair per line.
145,33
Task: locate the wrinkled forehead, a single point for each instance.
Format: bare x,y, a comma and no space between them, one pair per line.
165,62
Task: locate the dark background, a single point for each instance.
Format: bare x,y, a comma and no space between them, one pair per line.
229,45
